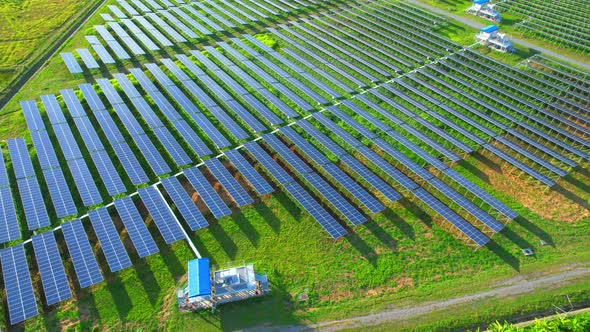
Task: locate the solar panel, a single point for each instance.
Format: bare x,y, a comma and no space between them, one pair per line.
256,180
465,204
9,229
520,165
211,198
334,128
138,33
130,164
185,205
45,153
171,145
80,250
72,103
401,158
138,232
88,134
17,282
191,21
279,174
107,235
71,63
353,188
58,191
204,19
324,140
462,225
151,154
128,7
192,138
91,97
214,135
315,210
66,140
387,168
237,193
109,91
287,155
21,161
178,24
84,182
51,269
32,115
161,214
108,173
304,145
154,32
130,42
87,58
167,28
117,11
373,180
109,127
32,203
112,43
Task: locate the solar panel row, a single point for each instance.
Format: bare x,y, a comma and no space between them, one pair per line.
17,282
161,214
51,269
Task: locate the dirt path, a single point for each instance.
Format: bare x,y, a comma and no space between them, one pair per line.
477,25
518,285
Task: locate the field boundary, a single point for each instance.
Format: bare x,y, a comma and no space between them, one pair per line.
20,80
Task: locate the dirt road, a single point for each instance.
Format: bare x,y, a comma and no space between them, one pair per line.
518,285
477,26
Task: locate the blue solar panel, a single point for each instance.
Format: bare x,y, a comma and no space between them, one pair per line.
191,21
80,250
17,282
21,161
237,193
279,174
207,193
315,210
109,127
32,203
51,269
172,147
111,244
313,153
72,103
256,180
387,168
335,199
185,205
60,194
192,138
161,214
67,141
324,140
45,153
128,119
401,158
354,189
206,126
92,97
178,24
9,229
88,133
177,37
287,155
53,274
152,155
138,232
87,58
32,115
520,165
102,52
373,180
109,91
53,110
462,225
84,182
111,42
108,172
71,63
128,40
130,163
341,133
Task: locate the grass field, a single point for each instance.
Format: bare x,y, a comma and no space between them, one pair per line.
400,258
27,33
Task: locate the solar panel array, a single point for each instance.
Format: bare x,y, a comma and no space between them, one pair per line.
85,263
17,282
53,274
9,228
137,230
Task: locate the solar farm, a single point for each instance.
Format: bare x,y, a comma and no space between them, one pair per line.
351,120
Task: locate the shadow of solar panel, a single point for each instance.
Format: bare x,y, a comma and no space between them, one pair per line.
107,235
237,193
211,198
51,269
315,210
256,180
161,214
85,264
185,205
17,282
